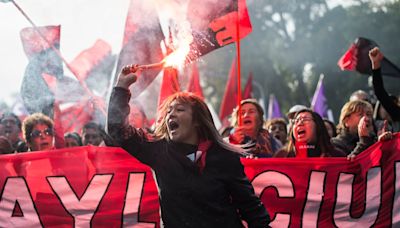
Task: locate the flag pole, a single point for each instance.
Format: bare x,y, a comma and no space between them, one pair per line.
83,84
239,84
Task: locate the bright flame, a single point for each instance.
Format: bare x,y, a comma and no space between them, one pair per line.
177,57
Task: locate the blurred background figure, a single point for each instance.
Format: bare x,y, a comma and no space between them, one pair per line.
360,95
330,127
72,139
251,133
38,131
309,138
92,134
11,129
277,128
137,117
5,146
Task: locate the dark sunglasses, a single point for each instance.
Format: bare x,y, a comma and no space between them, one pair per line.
37,133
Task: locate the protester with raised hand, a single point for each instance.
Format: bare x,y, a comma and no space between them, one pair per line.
200,178
355,128
390,103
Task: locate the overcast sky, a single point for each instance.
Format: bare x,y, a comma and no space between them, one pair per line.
82,23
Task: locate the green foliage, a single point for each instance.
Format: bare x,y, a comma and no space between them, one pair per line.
287,35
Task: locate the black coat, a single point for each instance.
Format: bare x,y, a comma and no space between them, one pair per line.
219,196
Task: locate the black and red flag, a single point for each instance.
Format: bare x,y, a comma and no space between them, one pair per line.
43,60
142,42
94,66
356,59
214,24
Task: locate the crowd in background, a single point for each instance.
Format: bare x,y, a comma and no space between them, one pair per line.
303,133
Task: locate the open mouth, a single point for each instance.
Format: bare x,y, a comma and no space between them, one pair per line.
301,132
173,125
246,122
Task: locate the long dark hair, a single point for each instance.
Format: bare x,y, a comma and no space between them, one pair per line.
201,114
323,142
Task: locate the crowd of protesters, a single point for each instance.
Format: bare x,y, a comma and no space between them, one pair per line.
361,124
185,129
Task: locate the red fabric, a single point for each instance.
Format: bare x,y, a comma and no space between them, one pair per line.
311,192
229,100
84,63
74,117
248,89
194,82
203,147
141,19
217,22
301,150
169,84
349,60
33,43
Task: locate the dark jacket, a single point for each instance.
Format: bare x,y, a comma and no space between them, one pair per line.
351,144
189,198
385,100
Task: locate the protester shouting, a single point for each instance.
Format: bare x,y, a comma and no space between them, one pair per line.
38,132
200,178
251,134
309,138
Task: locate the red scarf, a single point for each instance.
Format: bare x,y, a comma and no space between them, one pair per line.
204,145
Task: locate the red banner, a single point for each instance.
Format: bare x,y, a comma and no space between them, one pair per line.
107,187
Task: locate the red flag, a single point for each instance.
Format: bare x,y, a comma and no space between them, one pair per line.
248,89
357,58
141,44
229,99
169,84
75,116
35,93
194,82
214,24
84,63
33,43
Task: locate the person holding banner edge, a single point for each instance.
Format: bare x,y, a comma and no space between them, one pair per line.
200,178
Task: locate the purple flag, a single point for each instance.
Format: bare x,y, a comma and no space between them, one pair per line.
274,111
318,103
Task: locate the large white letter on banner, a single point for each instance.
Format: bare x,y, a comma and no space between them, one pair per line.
132,202
81,209
342,216
283,185
314,199
16,190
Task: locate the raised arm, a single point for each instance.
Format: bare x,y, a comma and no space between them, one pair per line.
387,102
135,141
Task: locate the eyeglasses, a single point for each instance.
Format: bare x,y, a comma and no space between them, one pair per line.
302,119
46,132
